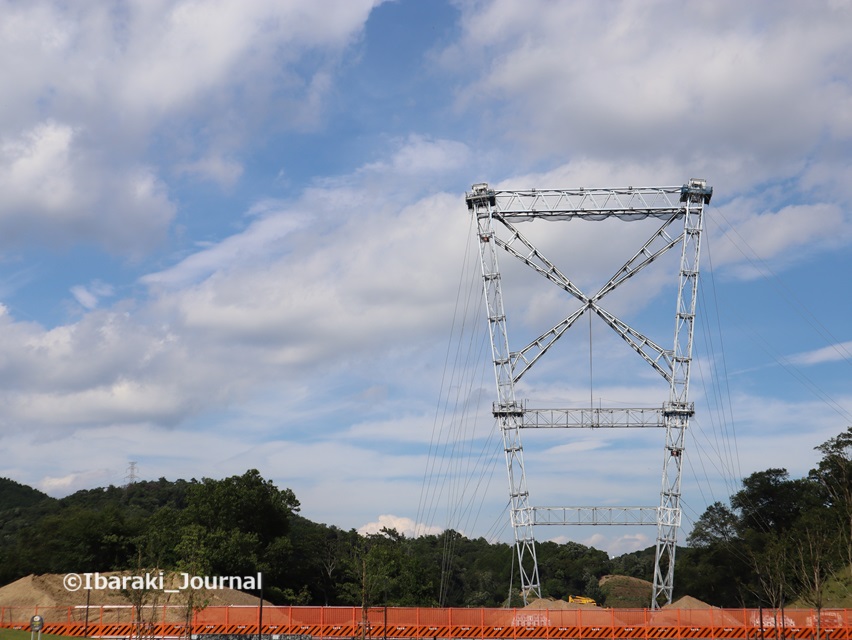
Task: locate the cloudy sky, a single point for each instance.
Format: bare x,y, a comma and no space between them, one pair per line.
233,235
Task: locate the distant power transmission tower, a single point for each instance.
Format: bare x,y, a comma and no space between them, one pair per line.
132,474
496,213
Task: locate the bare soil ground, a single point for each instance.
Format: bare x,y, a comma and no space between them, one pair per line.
56,603
687,602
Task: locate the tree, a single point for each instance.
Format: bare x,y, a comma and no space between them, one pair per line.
193,558
772,564
636,564
565,569
242,516
247,503
834,474
715,573
717,524
815,561
769,501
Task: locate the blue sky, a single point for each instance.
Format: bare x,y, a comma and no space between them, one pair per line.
233,235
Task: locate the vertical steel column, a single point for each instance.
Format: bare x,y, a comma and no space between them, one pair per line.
507,411
678,409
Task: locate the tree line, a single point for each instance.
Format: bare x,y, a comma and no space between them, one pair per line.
777,541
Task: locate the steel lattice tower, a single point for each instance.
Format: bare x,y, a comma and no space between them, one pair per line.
496,213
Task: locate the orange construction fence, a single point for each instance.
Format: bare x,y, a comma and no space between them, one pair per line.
111,621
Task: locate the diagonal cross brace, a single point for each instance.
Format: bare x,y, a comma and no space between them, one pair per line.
650,351
629,269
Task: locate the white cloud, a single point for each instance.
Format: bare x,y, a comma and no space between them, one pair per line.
97,97
183,51
73,481
223,171
629,543
420,157
157,59
405,526
750,241
261,241
832,353
308,281
56,192
89,296
280,300
399,428
37,163
299,291
107,368
673,78
614,544
86,298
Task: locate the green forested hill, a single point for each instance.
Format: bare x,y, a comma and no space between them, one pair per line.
20,506
778,540
15,495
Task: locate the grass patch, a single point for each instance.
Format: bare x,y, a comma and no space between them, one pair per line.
837,593
16,634
624,592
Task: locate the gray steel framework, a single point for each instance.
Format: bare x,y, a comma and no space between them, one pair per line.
497,210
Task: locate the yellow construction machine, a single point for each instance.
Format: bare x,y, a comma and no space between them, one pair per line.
581,600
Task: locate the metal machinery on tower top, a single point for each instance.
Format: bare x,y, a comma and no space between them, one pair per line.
496,213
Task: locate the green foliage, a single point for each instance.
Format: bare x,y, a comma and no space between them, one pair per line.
245,503
14,495
770,502
713,574
638,564
717,523
593,590
778,540
834,475
567,569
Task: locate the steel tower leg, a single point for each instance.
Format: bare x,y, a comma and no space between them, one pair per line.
678,410
507,411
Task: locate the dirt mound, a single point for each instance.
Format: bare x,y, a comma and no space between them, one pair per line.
687,602
624,592
48,591
54,600
720,616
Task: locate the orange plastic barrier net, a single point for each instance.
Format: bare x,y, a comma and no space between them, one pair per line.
432,624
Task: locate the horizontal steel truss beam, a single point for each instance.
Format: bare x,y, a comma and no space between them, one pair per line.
595,418
592,418
571,516
592,204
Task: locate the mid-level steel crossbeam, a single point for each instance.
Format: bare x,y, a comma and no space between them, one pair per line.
594,418
578,516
